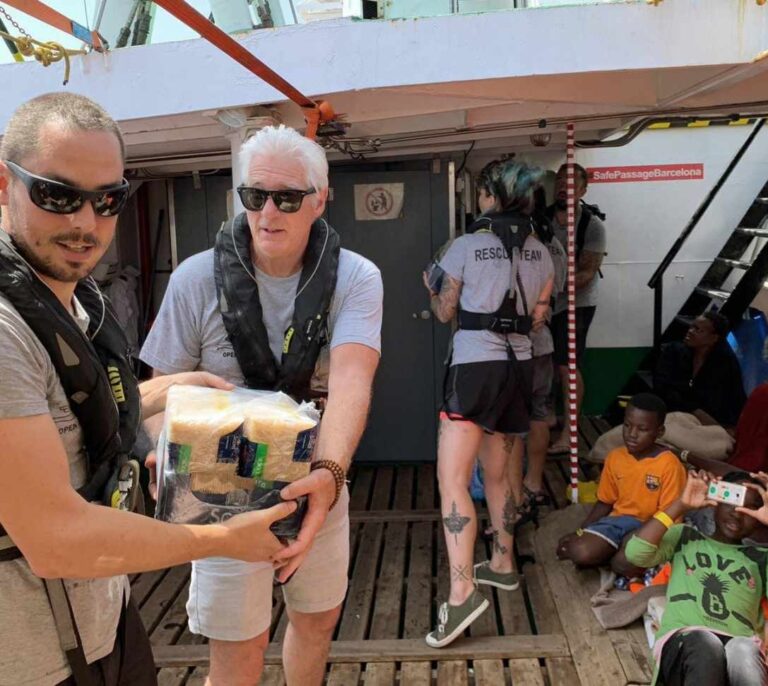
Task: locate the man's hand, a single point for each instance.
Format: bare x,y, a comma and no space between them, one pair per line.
151,464
249,537
320,489
694,495
539,316
154,392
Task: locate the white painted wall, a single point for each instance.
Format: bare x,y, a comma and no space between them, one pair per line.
645,218
347,55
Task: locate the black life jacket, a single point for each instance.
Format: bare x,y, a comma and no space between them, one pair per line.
241,309
94,369
512,228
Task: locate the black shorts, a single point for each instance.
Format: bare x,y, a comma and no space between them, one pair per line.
559,328
493,395
130,663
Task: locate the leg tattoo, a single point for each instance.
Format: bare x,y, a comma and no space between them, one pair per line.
455,522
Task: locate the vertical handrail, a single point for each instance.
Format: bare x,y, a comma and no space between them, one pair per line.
656,281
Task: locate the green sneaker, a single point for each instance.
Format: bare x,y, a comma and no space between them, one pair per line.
453,619
485,575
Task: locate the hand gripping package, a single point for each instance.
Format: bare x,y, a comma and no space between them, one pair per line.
226,452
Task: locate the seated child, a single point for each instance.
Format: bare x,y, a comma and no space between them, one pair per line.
637,480
711,628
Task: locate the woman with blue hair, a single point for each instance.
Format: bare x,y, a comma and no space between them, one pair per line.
497,279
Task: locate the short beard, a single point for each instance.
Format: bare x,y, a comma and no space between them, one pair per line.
44,267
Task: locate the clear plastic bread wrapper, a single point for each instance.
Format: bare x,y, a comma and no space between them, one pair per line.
226,452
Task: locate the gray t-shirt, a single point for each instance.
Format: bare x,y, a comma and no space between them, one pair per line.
542,339
594,241
481,263
30,652
189,332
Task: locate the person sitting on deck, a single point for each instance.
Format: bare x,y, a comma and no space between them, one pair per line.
701,374
711,628
637,480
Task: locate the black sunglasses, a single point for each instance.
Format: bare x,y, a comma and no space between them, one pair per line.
288,201
60,198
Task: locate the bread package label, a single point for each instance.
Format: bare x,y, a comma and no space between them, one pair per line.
231,451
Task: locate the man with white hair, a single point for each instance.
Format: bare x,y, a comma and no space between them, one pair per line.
278,305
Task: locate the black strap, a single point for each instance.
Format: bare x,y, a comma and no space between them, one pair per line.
66,627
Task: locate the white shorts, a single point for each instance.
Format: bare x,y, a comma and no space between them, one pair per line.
231,600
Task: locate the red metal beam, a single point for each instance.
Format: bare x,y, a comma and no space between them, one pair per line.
213,34
41,11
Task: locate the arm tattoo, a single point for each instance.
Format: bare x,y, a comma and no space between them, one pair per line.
497,547
444,306
460,573
455,522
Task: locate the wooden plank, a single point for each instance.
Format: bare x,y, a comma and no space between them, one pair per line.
172,676
163,596
556,482
361,488
380,674
561,672
272,676
425,487
415,674
389,584
526,672
452,673
344,675
419,586
169,629
634,658
404,488
145,584
382,489
388,650
357,608
489,673
198,677
593,654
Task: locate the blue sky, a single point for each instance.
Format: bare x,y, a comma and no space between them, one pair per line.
167,28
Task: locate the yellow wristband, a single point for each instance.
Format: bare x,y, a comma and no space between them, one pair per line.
664,518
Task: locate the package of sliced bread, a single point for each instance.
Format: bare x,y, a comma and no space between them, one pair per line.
225,452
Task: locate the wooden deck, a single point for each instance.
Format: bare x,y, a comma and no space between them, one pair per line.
544,633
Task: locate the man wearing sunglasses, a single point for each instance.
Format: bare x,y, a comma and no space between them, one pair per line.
64,428
278,305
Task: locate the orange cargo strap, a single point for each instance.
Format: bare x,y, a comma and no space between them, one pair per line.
315,113
41,11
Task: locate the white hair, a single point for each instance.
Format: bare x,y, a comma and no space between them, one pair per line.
283,142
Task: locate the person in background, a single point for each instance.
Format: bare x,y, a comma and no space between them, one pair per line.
637,480
711,631
590,250
498,280
701,374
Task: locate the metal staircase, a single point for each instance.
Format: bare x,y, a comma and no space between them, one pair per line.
735,276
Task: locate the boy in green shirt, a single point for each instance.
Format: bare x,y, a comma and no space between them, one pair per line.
711,628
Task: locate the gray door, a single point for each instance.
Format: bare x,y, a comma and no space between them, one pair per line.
403,422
